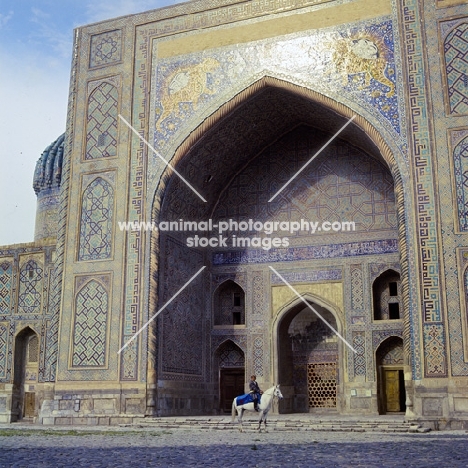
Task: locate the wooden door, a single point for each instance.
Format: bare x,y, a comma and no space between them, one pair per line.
29,404
392,390
231,385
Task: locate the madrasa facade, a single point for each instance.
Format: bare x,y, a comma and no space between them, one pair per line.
268,187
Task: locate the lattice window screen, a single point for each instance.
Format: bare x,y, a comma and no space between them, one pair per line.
321,382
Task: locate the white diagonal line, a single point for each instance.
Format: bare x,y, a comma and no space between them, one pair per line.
160,157
161,309
311,159
313,310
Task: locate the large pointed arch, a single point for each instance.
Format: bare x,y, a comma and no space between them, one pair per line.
361,133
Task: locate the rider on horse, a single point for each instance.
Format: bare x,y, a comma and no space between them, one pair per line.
255,391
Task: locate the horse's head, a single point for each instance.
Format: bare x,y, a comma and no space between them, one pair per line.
277,392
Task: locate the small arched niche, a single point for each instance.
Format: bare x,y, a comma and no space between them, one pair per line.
229,304
387,296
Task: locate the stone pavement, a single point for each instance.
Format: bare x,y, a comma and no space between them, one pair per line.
24,445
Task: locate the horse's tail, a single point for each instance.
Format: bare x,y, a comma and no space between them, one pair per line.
233,411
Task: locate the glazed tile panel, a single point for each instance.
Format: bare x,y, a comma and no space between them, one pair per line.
357,62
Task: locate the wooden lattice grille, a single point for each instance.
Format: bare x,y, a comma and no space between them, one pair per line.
321,382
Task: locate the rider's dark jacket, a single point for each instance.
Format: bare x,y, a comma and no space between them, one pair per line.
254,388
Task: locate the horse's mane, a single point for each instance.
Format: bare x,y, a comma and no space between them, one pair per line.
270,390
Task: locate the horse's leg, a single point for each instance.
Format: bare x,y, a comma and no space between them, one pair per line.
241,413
265,421
259,428
234,410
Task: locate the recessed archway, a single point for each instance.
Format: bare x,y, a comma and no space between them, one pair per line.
308,355
390,376
229,362
387,296
26,366
249,139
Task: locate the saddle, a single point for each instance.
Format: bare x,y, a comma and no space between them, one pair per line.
247,398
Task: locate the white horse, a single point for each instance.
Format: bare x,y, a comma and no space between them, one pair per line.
263,407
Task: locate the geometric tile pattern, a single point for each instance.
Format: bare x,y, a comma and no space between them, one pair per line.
231,355
456,65
5,287
218,341
359,344
390,352
101,136
181,323
96,221
379,336
90,330
428,224
257,355
460,164
343,184
376,269
128,369
30,290
357,296
434,348
258,293
50,337
134,263
365,195
456,292
32,284
106,48
3,350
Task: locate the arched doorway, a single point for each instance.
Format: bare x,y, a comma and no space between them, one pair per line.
308,359
390,376
26,366
230,363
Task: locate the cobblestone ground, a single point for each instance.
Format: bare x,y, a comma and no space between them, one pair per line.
204,448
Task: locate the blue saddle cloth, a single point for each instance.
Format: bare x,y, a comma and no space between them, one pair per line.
247,398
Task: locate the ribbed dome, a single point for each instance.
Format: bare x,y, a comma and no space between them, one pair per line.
48,173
